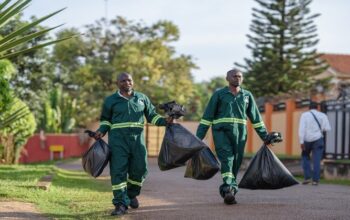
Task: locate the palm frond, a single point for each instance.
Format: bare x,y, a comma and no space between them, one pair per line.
8,10
13,117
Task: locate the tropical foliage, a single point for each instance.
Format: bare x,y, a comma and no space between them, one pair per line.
58,112
17,122
88,65
15,135
6,71
35,73
283,43
9,9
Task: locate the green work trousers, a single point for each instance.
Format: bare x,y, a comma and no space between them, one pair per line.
229,147
128,165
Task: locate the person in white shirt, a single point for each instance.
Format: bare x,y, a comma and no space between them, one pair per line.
311,127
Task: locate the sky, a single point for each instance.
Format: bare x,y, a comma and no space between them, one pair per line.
212,32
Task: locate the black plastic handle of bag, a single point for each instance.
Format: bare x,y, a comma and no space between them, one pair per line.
90,133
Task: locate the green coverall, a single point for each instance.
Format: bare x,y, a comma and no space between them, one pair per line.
123,118
227,114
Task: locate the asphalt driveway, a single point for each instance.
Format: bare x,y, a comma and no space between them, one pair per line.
168,195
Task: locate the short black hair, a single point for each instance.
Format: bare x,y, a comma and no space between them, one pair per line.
122,74
313,105
234,70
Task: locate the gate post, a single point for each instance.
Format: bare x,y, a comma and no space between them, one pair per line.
290,108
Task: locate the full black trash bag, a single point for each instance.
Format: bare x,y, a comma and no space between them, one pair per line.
178,146
266,171
203,165
96,158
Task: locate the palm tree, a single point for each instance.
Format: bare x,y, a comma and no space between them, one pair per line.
8,10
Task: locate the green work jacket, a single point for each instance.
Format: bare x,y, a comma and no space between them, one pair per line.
226,111
126,115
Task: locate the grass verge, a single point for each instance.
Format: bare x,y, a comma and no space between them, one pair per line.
344,182
72,195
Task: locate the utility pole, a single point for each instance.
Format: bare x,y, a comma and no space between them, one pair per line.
106,10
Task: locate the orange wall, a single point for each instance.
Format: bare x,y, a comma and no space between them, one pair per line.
276,120
279,124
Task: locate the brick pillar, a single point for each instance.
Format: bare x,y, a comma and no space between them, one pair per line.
268,116
290,108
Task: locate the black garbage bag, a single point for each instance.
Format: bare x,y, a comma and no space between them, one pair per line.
96,158
203,165
266,171
178,146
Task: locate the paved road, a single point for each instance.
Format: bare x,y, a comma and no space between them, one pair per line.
168,195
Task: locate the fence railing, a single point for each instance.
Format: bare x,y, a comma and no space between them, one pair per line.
338,139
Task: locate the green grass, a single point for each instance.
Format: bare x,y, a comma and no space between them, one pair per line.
344,161
72,195
345,182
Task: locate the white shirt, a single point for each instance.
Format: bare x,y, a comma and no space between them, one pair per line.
308,128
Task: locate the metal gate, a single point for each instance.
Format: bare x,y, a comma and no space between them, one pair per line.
338,139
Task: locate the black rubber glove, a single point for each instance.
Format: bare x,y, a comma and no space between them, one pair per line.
273,137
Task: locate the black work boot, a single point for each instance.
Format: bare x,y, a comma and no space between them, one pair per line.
229,198
134,203
120,210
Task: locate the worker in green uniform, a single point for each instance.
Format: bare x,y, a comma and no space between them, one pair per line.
227,113
123,118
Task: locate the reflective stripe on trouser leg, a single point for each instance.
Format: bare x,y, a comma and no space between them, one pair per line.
224,151
137,165
239,150
120,194
118,168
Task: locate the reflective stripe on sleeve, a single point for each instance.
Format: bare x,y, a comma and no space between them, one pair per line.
205,122
260,124
155,119
105,123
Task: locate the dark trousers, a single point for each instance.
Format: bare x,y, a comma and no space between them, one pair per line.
314,148
229,147
128,166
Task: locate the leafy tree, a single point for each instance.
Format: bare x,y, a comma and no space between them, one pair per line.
17,122
14,137
154,61
58,112
35,72
195,108
283,39
18,38
6,71
202,94
8,44
217,83
110,47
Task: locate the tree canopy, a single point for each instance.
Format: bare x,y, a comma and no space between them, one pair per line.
283,43
88,65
